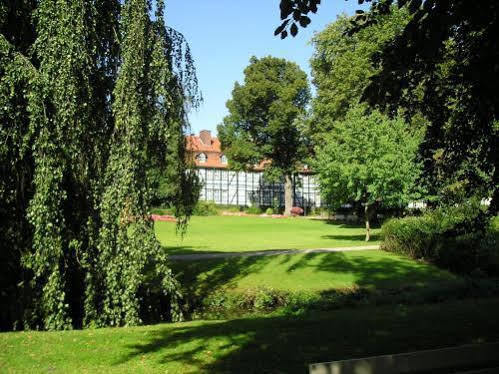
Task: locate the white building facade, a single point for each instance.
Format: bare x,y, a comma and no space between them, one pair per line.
244,188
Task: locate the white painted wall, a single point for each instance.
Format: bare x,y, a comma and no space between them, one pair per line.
247,188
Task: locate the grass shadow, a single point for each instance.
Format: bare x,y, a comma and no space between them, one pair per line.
219,273
361,237
180,250
343,224
369,270
285,345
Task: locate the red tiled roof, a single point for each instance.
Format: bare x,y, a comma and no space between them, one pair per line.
195,144
213,152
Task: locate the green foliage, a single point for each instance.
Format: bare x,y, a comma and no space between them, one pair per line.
248,345
226,303
205,208
254,209
443,67
163,211
368,158
85,117
264,113
452,237
342,65
447,55
269,211
276,206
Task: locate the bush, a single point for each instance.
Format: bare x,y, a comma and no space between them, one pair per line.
459,238
230,208
163,211
254,209
276,206
318,211
205,208
227,304
269,211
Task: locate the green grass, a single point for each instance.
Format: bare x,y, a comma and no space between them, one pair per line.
239,234
254,345
309,272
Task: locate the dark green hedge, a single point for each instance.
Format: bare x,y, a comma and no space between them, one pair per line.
460,238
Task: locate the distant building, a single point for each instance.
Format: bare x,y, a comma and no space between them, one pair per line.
227,187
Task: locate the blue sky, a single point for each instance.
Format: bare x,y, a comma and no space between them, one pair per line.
224,34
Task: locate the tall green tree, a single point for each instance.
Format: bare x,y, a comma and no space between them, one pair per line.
342,65
262,125
443,65
92,93
370,159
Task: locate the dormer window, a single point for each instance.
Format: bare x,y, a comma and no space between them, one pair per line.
201,158
223,159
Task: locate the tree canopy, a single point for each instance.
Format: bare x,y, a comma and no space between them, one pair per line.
444,66
342,65
262,125
92,94
370,159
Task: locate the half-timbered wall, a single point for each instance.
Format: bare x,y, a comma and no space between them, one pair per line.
228,187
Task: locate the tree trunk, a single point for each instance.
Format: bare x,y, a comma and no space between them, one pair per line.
288,195
368,211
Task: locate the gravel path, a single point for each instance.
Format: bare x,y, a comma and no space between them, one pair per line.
275,252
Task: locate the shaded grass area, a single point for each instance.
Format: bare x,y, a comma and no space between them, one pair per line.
255,345
308,272
296,284
239,234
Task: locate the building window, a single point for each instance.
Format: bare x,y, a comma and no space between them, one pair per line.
223,159
201,158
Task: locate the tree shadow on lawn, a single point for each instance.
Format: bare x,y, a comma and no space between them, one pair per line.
187,249
219,273
285,345
360,237
342,224
369,270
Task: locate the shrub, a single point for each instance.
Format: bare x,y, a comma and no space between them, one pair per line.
315,211
459,238
226,304
205,208
269,211
163,211
254,209
276,206
230,208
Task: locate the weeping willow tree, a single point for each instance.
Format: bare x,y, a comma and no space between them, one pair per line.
92,95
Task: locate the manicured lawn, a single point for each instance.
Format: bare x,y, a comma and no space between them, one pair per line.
309,272
256,345
238,234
